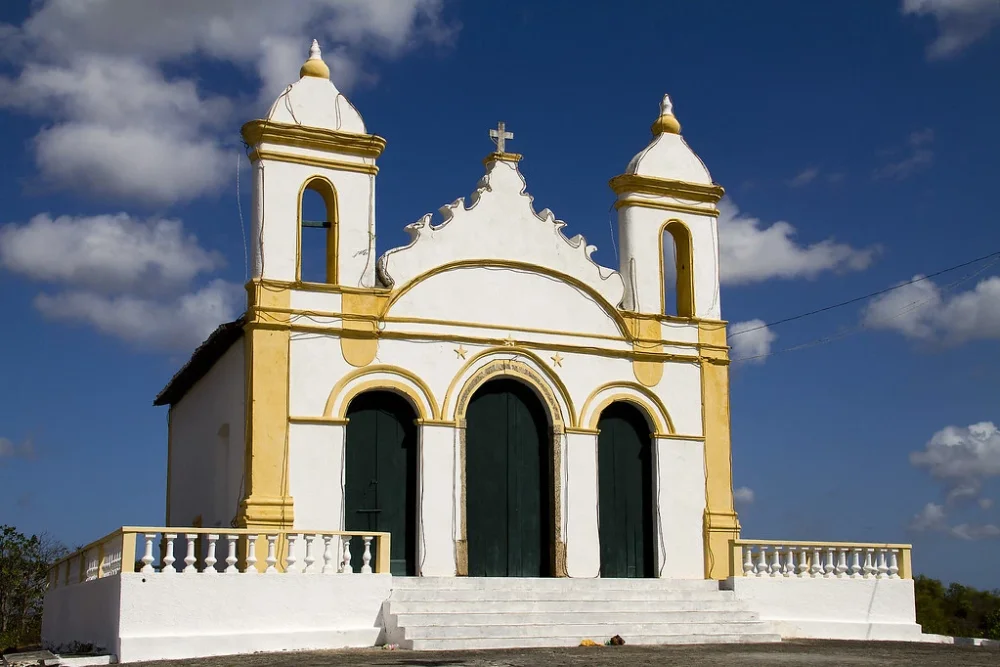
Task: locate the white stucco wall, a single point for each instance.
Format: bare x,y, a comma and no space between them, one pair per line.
316,479
680,502
84,613
207,444
868,609
580,491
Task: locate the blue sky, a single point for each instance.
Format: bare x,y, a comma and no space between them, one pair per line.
857,142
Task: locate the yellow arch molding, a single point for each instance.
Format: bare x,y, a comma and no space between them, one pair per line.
425,397
684,260
608,308
655,409
539,378
325,188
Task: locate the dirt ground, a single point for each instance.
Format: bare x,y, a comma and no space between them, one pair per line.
789,653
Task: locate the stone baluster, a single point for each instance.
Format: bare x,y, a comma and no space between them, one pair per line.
855,563
345,561
868,569
291,560
831,569
231,554
893,564
189,567
776,562
761,561
328,567
803,562
168,556
816,569
747,561
147,554
210,559
310,558
252,541
789,562
366,557
272,558
883,569
841,563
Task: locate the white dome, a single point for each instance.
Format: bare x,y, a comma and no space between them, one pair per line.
313,100
669,156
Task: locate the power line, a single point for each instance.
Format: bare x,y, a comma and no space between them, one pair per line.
866,296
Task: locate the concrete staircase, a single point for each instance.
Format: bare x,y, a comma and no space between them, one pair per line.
468,612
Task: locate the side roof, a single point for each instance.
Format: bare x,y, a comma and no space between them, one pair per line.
201,361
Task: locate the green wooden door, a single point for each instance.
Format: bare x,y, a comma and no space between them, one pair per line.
624,468
507,483
381,476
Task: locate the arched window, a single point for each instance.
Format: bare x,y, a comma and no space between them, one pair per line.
318,232
678,270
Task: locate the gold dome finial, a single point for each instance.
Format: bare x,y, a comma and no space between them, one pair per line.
667,122
315,65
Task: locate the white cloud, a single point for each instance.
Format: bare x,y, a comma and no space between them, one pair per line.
804,177
751,340
105,252
985,503
925,312
915,156
743,495
122,128
751,253
961,458
934,518
178,324
960,22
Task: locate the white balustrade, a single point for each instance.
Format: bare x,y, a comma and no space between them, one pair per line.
807,560
154,550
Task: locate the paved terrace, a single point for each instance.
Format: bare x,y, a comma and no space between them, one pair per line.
788,653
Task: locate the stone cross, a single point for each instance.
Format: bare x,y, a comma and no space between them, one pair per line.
500,135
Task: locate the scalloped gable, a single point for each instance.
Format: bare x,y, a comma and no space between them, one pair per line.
499,224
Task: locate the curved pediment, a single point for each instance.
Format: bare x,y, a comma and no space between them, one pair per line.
499,224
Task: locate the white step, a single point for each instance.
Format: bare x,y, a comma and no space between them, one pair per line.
626,630
568,595
573,617
526,642
415,606
550,583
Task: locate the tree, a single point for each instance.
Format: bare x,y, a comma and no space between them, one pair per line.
957,610
24,566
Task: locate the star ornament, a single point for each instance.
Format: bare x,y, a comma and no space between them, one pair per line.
509,341
557,360
460,352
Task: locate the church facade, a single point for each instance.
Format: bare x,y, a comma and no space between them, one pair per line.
488,394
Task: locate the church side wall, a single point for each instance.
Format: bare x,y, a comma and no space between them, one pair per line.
205,467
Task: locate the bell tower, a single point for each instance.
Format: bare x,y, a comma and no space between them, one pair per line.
667,200
313,139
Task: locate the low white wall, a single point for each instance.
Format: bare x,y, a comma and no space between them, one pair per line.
867,609
184,616
84,613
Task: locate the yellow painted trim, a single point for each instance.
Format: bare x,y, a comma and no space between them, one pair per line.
516,329
583,431
666,187
676,436
302,136
655,410
502,157
326,189
312,161
436,422
339,389
359,345
665,206
544,373
332,421
684,260
394,386
610,309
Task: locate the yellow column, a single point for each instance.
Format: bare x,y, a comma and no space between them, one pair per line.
267,505
721,523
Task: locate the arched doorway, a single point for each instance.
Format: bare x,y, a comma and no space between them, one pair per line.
508,482
625,505
380,491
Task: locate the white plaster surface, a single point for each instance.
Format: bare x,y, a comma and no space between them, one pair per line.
207,444
680,491
316,102
438,508
820,608
669,156
85,613
316,454
580,490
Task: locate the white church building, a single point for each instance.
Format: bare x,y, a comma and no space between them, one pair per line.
481,439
